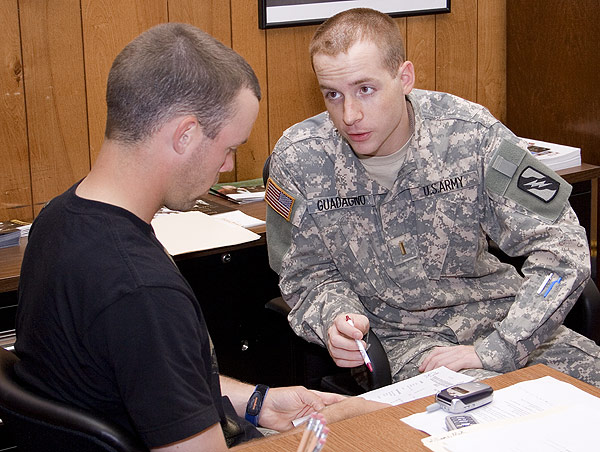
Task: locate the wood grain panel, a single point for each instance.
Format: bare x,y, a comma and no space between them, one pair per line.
250,42
293,89
55,88
491,56
456,50
460,52
420,49
212,16
553,67
15,186
108,25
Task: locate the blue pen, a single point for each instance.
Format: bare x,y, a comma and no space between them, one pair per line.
556,281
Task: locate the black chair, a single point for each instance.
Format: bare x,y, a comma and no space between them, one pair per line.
344,381
40,424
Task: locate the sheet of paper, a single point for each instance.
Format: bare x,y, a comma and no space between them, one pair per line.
561,429
414,388
240,218
521,399
195,231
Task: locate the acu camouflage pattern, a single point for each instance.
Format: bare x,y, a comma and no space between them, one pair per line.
414,259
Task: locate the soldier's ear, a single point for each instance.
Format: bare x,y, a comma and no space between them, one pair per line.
406,72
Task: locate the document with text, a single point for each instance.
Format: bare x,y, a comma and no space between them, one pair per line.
541,404
423,385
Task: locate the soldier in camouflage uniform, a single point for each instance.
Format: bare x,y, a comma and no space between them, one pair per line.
380,209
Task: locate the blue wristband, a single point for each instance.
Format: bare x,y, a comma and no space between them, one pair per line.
255,403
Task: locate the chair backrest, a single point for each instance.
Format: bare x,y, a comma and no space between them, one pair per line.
40,424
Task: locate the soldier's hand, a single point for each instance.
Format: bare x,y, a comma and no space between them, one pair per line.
341,339
457,357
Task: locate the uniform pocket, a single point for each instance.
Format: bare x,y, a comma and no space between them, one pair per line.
348,236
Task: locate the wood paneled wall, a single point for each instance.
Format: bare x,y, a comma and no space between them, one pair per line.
55,56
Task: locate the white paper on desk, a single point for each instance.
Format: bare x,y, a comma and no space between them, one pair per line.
240,218
422,385
413,388
561,429
195,231
521,399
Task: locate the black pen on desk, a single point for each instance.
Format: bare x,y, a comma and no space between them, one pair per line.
361,348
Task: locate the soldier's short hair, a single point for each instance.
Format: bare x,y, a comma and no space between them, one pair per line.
340,32
170,70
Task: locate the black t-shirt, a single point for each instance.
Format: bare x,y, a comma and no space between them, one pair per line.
106,322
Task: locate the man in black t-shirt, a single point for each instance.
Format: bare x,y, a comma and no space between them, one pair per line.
105,320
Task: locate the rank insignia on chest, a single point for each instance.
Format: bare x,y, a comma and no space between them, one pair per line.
537,184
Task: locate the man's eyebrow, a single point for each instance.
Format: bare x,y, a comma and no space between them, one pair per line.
354,83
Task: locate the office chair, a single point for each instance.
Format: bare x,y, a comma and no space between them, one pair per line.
345,381
41,424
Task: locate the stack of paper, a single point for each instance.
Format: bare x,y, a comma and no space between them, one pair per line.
9,234
554,156
542,414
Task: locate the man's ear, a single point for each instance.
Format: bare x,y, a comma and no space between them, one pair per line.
184,133
406,72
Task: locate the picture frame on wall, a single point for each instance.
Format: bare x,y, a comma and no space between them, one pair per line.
287,13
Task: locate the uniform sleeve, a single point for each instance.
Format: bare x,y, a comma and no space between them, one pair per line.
528,214
308,278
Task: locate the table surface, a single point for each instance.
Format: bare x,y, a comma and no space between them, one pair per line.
11,258
383,430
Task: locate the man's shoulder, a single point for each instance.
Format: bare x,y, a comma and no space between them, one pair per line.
436,105
316,127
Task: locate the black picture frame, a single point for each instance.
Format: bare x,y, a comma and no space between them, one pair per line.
289,13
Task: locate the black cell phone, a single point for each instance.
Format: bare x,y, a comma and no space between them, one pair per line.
464,397
456,421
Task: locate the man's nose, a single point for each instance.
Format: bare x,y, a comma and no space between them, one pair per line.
352,111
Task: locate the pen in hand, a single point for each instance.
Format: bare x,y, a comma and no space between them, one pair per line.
361,348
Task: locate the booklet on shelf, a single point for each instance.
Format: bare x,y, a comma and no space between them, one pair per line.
554,156
240,192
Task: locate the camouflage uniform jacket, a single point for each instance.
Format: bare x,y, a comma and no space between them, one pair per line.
414,259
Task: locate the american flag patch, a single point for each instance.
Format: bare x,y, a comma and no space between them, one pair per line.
279,200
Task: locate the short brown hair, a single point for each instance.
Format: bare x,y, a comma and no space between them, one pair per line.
340,32
170,70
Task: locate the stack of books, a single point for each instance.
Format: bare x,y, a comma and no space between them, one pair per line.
554,156
240,192
10,234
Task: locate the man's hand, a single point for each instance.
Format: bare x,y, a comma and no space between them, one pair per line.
283,405
341,336
457,357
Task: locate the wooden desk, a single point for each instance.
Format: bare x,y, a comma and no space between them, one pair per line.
384,431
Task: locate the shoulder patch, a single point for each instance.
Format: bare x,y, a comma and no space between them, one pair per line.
537,184
515,174
279,200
